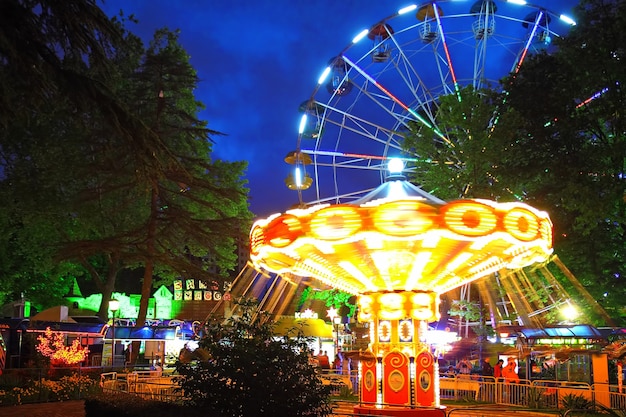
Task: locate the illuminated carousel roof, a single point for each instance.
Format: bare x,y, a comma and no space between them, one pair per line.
400,238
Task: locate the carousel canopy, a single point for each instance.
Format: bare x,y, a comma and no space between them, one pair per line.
400,238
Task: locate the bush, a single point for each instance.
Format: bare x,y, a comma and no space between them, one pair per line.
128,405
576,402
249,371
68,387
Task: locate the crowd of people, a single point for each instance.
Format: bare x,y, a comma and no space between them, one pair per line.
340,364
499,371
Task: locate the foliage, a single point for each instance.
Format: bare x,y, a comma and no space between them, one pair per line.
70,387
253,372
332,298
555,140
610,411
105,165
576,402
570,153
52,346
465,310
124,404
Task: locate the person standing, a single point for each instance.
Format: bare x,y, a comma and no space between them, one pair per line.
512,380
508,372
464,368
487,369
324,361
497,370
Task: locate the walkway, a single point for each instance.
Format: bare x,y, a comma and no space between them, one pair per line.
75,408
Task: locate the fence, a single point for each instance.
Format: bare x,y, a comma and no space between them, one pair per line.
151,385
537,394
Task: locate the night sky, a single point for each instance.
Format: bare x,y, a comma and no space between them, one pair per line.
257,62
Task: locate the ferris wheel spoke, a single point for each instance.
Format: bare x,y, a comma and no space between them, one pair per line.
390,80
447,52
531,36
362,126
397,100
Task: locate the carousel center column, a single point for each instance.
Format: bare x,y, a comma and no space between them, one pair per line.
401,369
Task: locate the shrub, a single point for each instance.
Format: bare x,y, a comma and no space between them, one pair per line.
127,405
65,388
249,371
576,402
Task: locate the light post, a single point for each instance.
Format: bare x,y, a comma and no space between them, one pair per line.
114,305
335,320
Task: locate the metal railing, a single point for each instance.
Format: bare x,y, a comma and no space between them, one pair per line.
537,394
150,385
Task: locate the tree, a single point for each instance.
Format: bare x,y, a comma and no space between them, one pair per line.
117,174
45,47
339,300
572,155
52,346
467,162
554,138
250,371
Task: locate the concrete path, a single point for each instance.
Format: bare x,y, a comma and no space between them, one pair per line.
75,408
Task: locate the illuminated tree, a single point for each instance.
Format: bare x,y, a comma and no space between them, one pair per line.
52,345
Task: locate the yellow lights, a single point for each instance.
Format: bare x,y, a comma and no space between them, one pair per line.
409,244
470,218
404,218
334,223
391,306
425,306
399,305
365,310
569,312
521,224
284,230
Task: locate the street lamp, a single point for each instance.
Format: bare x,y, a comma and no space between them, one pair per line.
114,305
335,320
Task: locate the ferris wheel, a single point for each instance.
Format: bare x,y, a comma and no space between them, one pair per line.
391,77
393,74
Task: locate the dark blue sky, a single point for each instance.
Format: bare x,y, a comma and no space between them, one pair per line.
258,61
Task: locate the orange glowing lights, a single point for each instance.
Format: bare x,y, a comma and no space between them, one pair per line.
403,218
398,305
335,223
401,245
52,345
469,218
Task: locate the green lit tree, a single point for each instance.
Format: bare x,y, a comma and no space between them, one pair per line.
105,166
250,371
46,48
